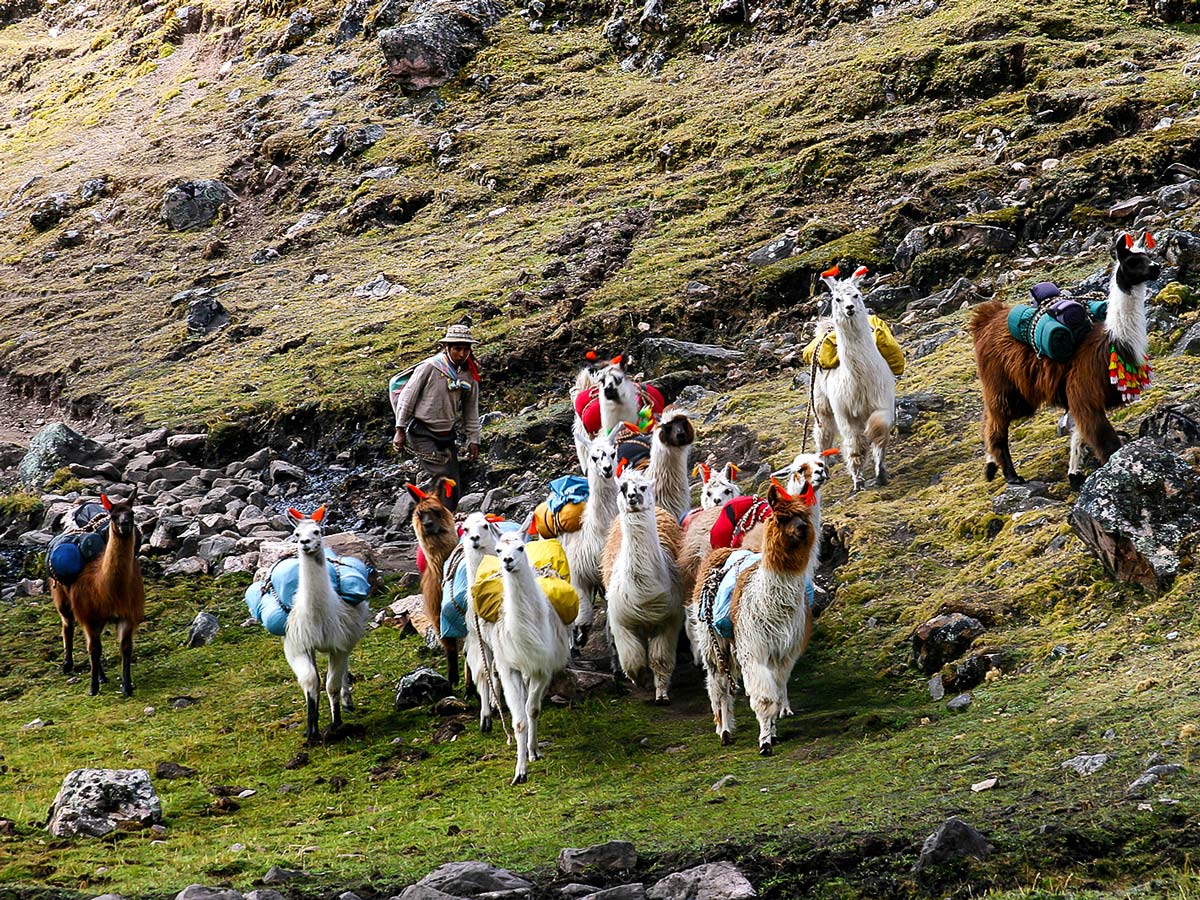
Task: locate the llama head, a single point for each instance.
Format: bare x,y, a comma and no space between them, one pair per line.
805,470
1134,264
845,297
637,492
602,456
430,518
718,485
480,533
789,530
308,530
120,514
675,429
613,379
510,550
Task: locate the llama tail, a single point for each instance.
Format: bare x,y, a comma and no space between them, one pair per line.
878,427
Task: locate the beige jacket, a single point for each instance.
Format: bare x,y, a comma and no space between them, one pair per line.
427,397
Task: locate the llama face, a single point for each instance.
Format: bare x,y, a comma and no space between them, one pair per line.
603,457
1134,263
637,493
612,381
845,298
806,469
794,526
719,488
511,551
480,534
308,537
676,430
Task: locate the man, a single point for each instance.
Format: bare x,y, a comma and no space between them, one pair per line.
442,394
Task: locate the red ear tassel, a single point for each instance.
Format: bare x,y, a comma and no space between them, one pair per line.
590,356
1129,241
779,487
1150,242
734,472
704,471
831,272
860,271
295,513
832,451
616,360
319,515
621,466
416,490
809,496
105,502
450,485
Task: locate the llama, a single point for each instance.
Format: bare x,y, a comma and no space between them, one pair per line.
531,644
618,396
857,398
479,540
771,620
585,547
437,535
108,589
320,621
643,584
670,447
1017,382
717,487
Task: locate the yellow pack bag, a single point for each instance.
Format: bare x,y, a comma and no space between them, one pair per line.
546,557
549,525
825,348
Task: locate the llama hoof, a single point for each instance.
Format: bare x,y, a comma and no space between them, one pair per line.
520,779
1014,479
1076,479
881,480
68,667
990,470
93,690
662,701
102,678
485,725
726,739
764,750
127,690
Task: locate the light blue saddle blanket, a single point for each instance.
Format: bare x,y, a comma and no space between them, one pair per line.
455,590
738,562
270,602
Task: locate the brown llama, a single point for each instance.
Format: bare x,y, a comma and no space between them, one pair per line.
437,534
1017,382
108,589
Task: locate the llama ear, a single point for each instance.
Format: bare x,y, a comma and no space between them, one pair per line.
616,360
809,495
832,451
319,515
829,276
1148,241
621,464
132,495
1123,245
703,471
105,502
294,514
416,492
732,472
859,274
779,493
447,486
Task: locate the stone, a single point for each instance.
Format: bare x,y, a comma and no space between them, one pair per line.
69,239
729,11
54,446
95,802
711,881
575,890
421,687
201,892
203,630
49,211
171,770
1086,764
92,189
351,22
215,547
279,470
278,875
658,352
611,856
1019,498
196,204
959,703
472,878
780,248
377,287
424,892
636,891
268,893
942,639
960,235
1189,343
277,63
427,51
954,839
1138,512
190,565
332,143
299,27
909,406
362,139
1174,425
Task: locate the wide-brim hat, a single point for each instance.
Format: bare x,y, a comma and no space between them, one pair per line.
458,334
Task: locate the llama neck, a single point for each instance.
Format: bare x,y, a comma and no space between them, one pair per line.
1126,319
601,507
521,591
668,468
117,561
313,581
854,336
639,530
472,558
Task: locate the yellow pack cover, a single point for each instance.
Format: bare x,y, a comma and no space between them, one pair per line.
549,525
827,357
487,591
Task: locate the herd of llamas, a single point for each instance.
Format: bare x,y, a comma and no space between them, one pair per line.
735,576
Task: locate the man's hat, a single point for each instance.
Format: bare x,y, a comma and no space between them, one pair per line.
458,334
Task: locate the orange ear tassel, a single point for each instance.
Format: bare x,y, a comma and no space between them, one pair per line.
1129,241
590,356
832,451
105,502
319,515
734,472
831,272
621,466
809,496
860,271
703,471
1150,242
416,491
450,484
292,511
779,487
616,360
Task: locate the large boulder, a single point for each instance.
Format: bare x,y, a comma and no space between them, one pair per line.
609,856
55,446
954,839
94,802
195,204
1174,425
469,879
711,881
942,639
1138,511
442,37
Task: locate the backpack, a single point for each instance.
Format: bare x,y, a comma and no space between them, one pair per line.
270,602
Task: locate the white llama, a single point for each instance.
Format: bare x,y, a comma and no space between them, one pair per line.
717,485
643,584
619,400
530,643
479,540
856,398
320,621
670,447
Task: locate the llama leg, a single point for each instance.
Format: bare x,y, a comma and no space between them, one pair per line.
335,682
720,692
631,651
855,445
582,625
514,697
764,700
662,661
92,633
475,668
995,443
125,636
1086,404
68,634
533,710
450,645
304,665
1075,460
878,428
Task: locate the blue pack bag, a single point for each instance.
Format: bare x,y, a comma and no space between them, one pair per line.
350,578
565,490
738,561
455,590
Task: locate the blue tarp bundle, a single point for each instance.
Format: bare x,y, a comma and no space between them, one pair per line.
738,561
455,589
350,578
568,489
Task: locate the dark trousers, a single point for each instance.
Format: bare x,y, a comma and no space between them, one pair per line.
438,458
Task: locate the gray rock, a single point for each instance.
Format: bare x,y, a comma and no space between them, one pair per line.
201,892
351,23
658,350
187,443
333,142
71,238
610,856
576,890
92,189
494,499
277,63
30,587
205,314
280,470
890,297
424,892
203,630
1138,511
1189,344
954,839
196,204
418,688
1018,498
49,211
1086,764
94,802
937,690
723,782
55,446
401,515
1174,425
189,565
958,234
278,875
942,639
469,879
635,891
443,37
959,703
780,248
362,139
921,348
711,881
910,406
467,503
299,27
